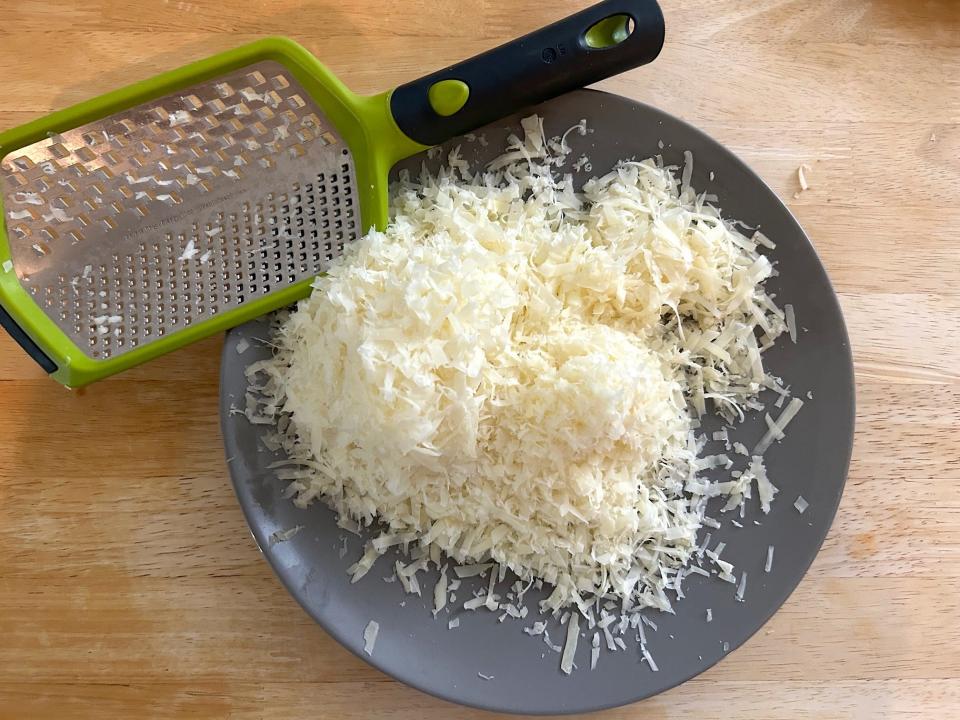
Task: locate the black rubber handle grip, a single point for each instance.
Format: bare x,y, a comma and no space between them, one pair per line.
539,66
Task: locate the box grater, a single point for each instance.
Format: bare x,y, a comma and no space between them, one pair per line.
158,214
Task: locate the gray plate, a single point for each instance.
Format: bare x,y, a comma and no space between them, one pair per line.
419,650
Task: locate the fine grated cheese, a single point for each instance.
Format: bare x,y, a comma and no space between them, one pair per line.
465,571
536,629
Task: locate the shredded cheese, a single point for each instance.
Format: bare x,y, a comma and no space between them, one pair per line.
802,179
370,636
570,646
776,428
283,535
190,251
440,592
742,587
512,372
648,657
791,320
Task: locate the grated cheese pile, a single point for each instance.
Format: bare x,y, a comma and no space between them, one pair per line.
513,372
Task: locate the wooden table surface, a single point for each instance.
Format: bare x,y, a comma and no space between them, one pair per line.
129,584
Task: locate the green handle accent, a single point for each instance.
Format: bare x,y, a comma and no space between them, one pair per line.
448,96
608,32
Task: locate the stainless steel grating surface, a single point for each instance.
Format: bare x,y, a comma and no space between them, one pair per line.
159,217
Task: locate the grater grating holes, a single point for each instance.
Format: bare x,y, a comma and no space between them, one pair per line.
147,282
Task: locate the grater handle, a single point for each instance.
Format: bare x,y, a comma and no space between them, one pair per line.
603,40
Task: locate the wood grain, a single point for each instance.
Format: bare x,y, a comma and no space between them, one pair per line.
129,584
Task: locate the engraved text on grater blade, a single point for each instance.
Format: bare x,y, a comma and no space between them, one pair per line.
159,217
